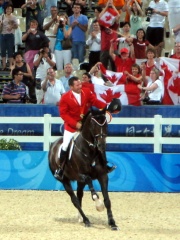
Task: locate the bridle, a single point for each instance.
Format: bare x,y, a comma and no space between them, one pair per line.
96,136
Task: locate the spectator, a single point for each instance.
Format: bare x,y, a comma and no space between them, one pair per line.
174,18
63,31
53,88
86,81
135,76
124,36
107,34
155,29
49,4
123,62
15,91
79,24
70,3
176,55
68,69
2,7
136,15
49,25
117,3
140,46
97,11
27,79
32,10
150,63
42,61
94,43
154,90
96,74
9,24
33,39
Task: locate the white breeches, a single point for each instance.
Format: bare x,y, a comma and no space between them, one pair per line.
67,138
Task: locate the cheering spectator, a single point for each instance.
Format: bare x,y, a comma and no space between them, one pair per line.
123,62
107,34
49,25
32,10
63,33
53,88
140,46
136,15
94,43
42,61
154,90
79,24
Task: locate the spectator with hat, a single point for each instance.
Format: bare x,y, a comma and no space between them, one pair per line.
123,62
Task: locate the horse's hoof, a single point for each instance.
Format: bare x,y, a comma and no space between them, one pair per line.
115,228
88,224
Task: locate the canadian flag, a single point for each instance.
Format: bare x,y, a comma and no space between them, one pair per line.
171,80
129,94
108,18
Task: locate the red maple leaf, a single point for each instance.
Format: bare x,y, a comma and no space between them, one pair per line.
176,87
108,96
108,18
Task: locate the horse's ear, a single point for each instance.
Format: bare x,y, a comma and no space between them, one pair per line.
115,106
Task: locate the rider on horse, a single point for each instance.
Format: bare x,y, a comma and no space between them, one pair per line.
74,104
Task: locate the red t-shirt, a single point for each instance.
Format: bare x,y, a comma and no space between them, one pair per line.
175,57
123,65
140,48
107,35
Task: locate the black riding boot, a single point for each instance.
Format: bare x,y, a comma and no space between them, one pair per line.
59,172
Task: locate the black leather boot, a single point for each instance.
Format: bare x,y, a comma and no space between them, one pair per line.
59,172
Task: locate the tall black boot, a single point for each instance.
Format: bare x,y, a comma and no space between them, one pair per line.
59,172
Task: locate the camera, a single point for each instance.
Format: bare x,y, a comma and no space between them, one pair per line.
61,23
149,12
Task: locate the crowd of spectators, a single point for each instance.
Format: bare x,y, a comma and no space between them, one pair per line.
130,44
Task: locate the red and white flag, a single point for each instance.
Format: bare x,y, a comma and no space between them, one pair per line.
108,18
129,94
171,80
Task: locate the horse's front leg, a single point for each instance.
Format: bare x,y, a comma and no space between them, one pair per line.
75,201
99,204
103,180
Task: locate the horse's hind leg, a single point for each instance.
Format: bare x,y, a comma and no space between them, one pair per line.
75,201
103,180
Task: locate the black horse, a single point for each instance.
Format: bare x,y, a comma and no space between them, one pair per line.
86,162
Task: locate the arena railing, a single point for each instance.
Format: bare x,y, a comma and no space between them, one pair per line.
47,120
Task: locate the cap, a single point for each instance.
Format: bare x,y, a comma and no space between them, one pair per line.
124,50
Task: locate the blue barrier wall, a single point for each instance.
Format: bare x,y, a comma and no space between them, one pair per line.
113,130
135,172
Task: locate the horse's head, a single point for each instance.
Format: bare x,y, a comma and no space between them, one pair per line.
98,128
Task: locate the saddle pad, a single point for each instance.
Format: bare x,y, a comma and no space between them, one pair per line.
72,144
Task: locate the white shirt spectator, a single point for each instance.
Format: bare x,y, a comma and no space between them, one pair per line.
155,95
94,43
53,93
158,20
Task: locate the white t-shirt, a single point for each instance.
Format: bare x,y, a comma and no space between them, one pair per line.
157,20
53,92
41,71
155,95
